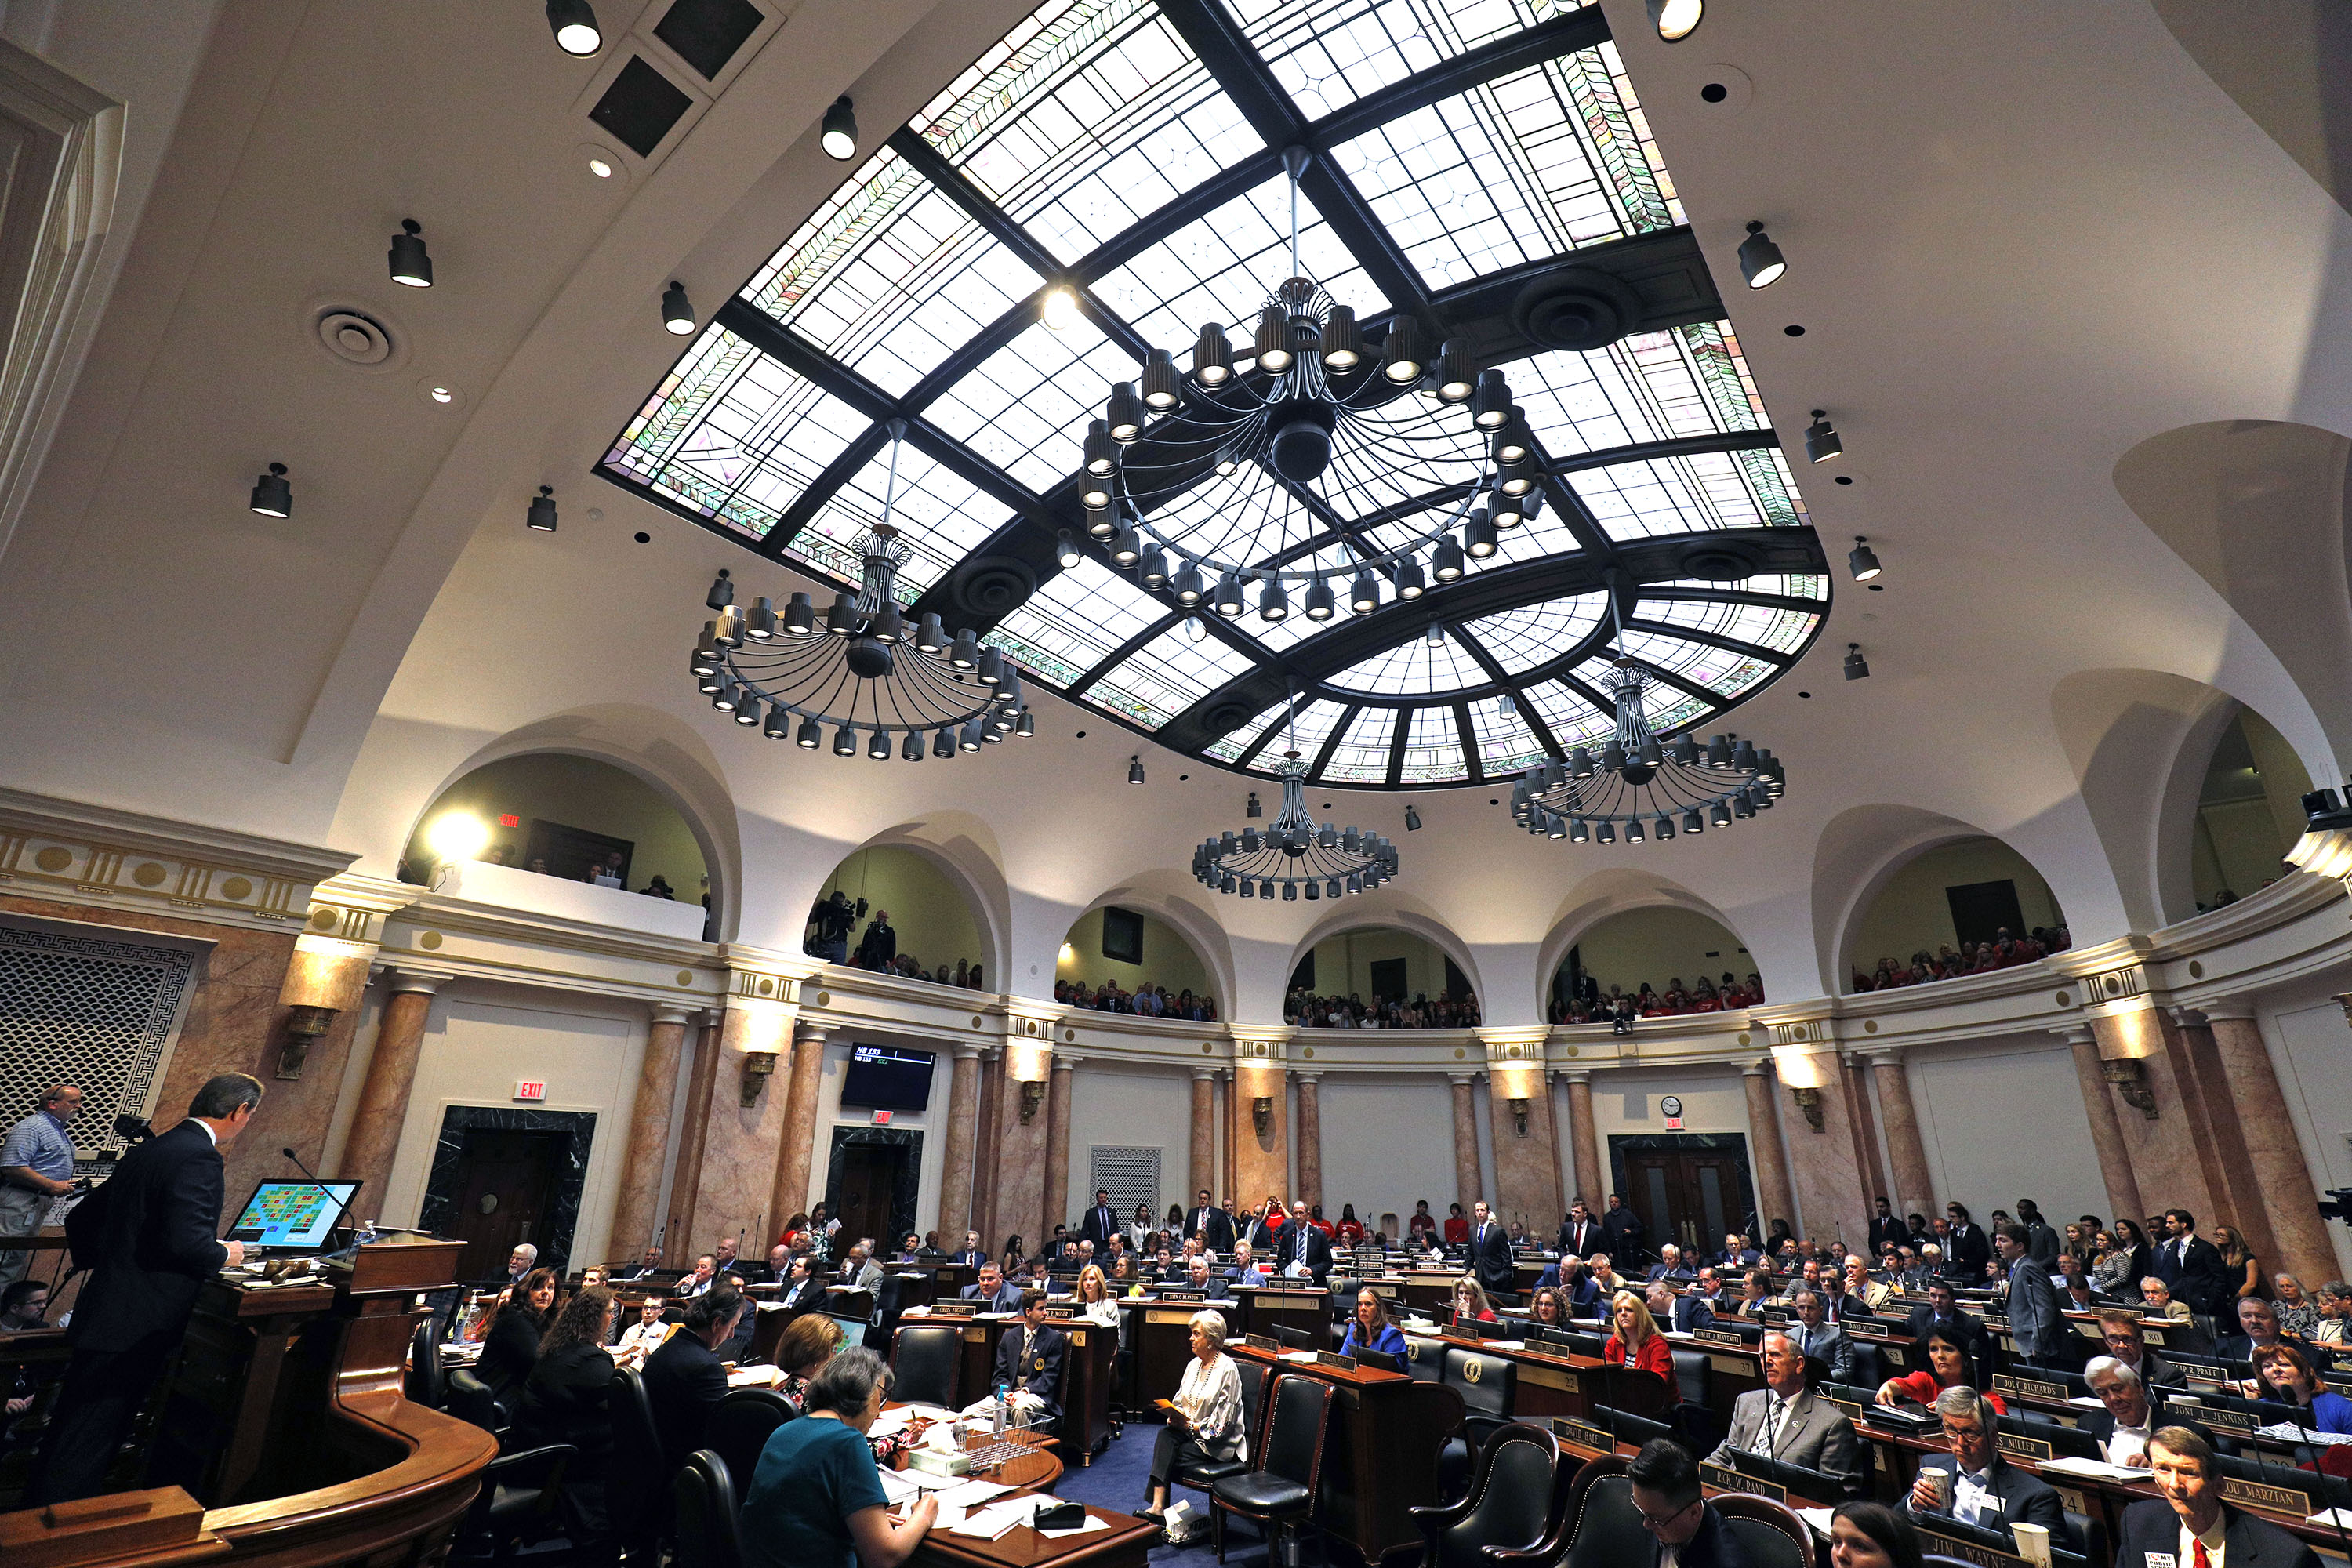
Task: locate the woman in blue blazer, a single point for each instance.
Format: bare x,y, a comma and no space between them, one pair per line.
1370,1329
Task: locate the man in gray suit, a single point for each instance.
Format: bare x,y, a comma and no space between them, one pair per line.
2034,1323
1783,1420
1818,1339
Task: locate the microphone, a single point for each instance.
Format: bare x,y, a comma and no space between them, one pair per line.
297,1163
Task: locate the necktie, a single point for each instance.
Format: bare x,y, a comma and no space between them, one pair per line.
2204,1559
1772,1419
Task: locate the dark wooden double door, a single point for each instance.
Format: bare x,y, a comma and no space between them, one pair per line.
1691,1196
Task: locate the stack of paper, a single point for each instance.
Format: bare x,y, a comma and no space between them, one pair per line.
971,1494
1298,1355
2093,1470
2334,1518
2289,1432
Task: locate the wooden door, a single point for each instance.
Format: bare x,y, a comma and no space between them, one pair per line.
1691,1196
510,1178
869,1180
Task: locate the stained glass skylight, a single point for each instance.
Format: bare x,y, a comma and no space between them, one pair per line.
1096,145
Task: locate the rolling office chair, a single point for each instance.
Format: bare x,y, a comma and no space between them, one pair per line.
518,1503
740,1427
471,1399
424,1384
637,1493
1201,1478
1604,1529
1279,1494
1488,1385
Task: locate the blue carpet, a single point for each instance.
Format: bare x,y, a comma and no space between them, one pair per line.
1120,1479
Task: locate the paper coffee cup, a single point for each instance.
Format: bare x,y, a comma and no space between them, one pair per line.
2032,1542
1940,1482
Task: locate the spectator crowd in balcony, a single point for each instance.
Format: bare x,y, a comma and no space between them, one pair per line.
1308,1011
834,918
2003,952
1587,1003
1147,1001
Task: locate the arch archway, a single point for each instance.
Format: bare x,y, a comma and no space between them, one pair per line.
1417,957
1688,960
940,919
1619,891
1900,880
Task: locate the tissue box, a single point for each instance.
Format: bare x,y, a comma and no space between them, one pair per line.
932,1461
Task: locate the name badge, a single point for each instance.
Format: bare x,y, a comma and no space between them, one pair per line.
2160,1560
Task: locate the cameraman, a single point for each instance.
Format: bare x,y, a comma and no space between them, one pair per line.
36,1166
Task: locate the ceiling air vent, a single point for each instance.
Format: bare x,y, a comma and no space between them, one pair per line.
640,107
354,337
706,34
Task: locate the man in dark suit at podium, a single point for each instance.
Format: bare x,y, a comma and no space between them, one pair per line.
150,1236
1490,1250
1302,1243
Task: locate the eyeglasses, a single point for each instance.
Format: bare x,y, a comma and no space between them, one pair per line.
1661,1520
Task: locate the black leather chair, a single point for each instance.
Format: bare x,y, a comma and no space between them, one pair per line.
1604,1529
518,1505
739,1427
636,1492
923,1357
1694,1415
1279,1494
1774,1536
1201,1476
1868,1368
424,1384
1424,1358
705,1502
1489,1386
1508,1507
471,1399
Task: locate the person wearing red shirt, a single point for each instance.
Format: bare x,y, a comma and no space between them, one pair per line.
1470,1300
1637,1342
1319,1222
1457,1229
1350,1229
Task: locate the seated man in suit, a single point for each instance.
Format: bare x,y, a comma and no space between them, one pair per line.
804,1284
1784,1421
993,1289
1676,1514
1669,1265
972,1253
645,1268
1029,1365
2124,1428
2127,1343
685,1380
1197,1277
2190,1526
1736,1254
1819,1339
1681,1313
1979,1486
2258,1328
1859,1285
1247,1269
1943,1311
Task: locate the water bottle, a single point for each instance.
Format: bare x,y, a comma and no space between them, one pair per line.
1003,1397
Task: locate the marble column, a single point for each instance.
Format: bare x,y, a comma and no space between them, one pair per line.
1202,1156
1823,1174
984,1216
2171,1155
1867,1157
1774,1199
741,1142
686,1183
1526,1165
788,1192
1020,1152
1055,1208
383,1095
2300,1243
1468,1188
1584,1141
1904,1146
957,1212
2241,1202
1229,1168
1310,1139
2106,1130
638,1216
1262,1166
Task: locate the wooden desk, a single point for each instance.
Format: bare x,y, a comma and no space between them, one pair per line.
1161,1333
1089,1366
1429,1291
1263,1306
1123,1545
1380,1458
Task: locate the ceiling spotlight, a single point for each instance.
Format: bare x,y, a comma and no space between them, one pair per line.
1065,550
1435,635
574,22
1059,308
1411,818
1320,604
1856,666
409,264
272,496
600,165
1761,261
1254,810
541,517
1135,770
1365,596
840,138
1676,19
1821,441
678,312
1195,629
1186,586
1861,559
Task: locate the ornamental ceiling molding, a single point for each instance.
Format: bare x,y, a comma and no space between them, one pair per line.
71,852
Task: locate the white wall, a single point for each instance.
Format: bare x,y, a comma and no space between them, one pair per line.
2315,1071
930,1121
478,1043
1387,1141
2003,1120
1129,1108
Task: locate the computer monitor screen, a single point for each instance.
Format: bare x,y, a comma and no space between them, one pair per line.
293,1214
888,1078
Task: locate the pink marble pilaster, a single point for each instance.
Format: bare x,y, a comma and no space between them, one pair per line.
636,1217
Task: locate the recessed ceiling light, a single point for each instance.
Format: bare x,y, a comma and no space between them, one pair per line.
441,394
600,168
1059,308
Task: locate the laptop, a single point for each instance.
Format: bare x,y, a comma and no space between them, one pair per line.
292,1216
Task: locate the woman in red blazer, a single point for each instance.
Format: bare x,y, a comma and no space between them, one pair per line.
1637,1342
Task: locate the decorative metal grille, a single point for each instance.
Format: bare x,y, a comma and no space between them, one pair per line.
1131,1176
90,1012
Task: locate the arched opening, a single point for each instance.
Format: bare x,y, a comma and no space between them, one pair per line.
1121,960
1664,960
1964,907
1379,978
2249,812
570,817
893,908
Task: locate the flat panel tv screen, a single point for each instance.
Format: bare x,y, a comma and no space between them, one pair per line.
888,1078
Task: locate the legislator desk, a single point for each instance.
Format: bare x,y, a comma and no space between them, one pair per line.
1380,1457
321,1460
1161,1335
1583,1442
1124,1543
1429,1289
1264,1308
1089,1368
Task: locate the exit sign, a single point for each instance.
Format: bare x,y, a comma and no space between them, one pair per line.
529,1088
881,1118
1673,1123
508,819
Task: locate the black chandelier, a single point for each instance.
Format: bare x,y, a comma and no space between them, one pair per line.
1672,786
1296,852
1218,482
859,667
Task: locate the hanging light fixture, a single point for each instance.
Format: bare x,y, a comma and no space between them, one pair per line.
574,23
1676,19
540,518
1640,781
677,312
1761,261
1296,851
1821,441
409,262
1311,410
272,496
1856,666
861,667
839,138
1861,559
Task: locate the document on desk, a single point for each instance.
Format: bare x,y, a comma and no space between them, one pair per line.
994,1521
2093,1470
897,1487
1093,1523
1308,1356
971,1494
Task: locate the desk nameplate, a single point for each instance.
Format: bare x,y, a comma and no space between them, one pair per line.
1720,1337
1583,1435
1944,1546
2019,1445
2288,1500
2004,1383
1724,1479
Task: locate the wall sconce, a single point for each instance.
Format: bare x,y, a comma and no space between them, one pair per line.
758,1067
1519,1117
1261,1112
303,1028
2130,1077
1809,1100
1033,1095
